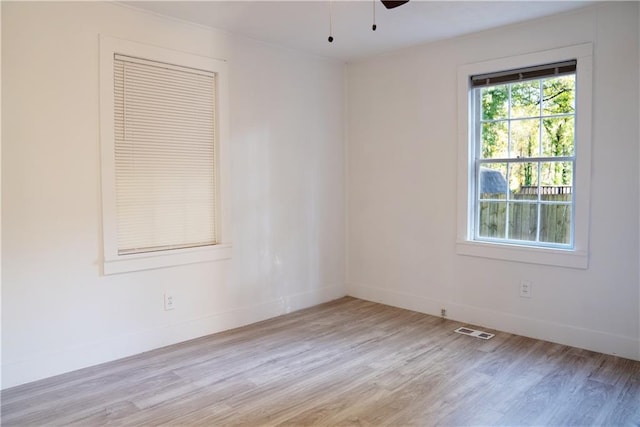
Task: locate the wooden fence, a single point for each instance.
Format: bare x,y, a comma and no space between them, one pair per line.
552,190
555,218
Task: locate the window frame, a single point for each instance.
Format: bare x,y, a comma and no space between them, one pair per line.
511,161
574,257
112,261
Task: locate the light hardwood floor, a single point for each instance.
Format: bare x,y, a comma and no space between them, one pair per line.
347,362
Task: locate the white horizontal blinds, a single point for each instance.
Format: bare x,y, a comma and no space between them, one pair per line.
522,74
164,155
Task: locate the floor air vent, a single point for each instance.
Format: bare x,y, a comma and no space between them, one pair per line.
475,333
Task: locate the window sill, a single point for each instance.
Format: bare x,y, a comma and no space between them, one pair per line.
545,256
149,261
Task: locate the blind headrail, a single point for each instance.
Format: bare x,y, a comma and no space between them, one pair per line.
158,64
523,74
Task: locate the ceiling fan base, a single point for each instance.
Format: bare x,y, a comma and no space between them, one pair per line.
390,4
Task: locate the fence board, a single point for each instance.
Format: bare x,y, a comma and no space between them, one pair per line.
555,219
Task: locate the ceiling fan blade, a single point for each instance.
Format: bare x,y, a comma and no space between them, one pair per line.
390,4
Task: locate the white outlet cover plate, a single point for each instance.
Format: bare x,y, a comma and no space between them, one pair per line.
525,289
168,302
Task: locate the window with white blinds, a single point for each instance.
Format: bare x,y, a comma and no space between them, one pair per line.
165,156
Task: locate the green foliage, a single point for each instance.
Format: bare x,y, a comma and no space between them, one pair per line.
516,113
559,99
495,105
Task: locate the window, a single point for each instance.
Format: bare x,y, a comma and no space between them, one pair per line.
524,155
525,158
161,131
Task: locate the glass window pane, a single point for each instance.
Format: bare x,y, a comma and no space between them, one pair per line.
523,221
556,181
492,219
495,140
559,95
525,138
495,101
525,99
493,181
558,136
555,223
523,181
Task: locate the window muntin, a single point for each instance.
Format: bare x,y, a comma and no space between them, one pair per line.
524,156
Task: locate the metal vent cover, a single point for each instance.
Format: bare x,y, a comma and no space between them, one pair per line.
474,333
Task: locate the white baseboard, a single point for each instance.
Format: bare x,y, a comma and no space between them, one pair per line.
601,342
94,353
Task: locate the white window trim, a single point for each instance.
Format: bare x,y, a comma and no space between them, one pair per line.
112,261
578,257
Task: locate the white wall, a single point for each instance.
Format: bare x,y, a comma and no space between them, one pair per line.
402,142
0,194
287,185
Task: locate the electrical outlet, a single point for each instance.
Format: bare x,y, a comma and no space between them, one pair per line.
443,312
169,301
525,289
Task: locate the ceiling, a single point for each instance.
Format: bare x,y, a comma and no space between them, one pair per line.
304,25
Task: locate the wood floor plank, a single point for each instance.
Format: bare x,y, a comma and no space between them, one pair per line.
626,412
348,362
